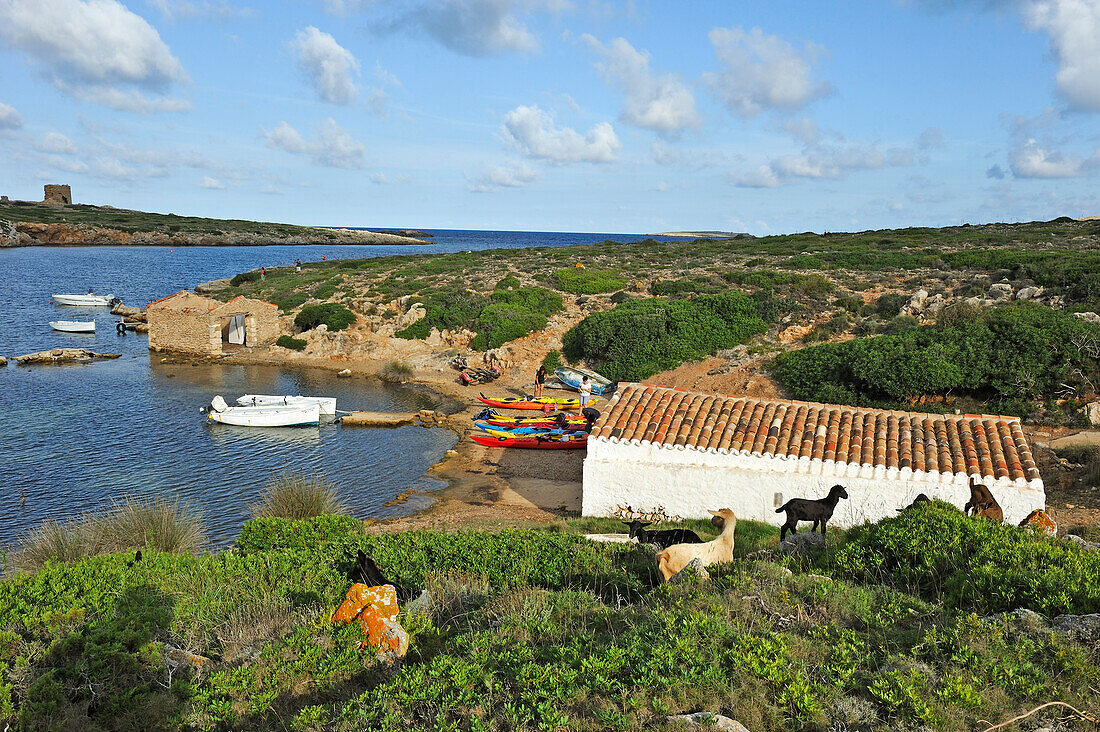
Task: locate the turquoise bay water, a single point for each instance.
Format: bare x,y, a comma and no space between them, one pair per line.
78,437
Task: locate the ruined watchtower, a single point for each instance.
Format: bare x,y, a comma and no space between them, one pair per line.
58,194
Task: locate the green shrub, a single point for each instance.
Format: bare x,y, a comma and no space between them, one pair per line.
582,281
890,304
292,301
935,551
642,337
696,286
620,296
243,277
536,299
294,344
335,316
552,361
451,309
499,323
1016,352
295,495
899,324
324,292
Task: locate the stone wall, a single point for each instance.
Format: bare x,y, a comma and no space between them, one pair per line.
688,482
58,194
183,331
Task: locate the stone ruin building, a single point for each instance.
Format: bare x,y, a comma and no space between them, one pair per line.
58,194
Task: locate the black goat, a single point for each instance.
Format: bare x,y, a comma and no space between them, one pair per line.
368,573
921,498
804,509
662,539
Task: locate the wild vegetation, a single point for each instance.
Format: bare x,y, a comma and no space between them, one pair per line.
542,629
809,288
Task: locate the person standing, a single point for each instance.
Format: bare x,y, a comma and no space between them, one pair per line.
586,391
263,274
297,265
540,380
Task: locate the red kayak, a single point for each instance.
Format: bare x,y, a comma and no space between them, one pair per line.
535,443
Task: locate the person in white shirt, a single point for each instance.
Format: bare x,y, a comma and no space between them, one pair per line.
586,392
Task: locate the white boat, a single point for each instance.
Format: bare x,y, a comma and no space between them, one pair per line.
74,326
291,415
327,404
89,300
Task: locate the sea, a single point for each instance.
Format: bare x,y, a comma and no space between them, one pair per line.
79,438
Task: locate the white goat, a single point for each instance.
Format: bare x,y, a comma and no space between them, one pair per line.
676,557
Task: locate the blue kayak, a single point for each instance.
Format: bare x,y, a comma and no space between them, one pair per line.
498,431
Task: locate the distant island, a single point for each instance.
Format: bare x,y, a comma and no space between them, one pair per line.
707,234
56,221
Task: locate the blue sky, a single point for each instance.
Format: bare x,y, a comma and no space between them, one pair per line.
558,115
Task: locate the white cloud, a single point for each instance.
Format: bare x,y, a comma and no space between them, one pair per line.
762,72
55,142
503,176
477,27
532,131
820,161
1030,159
96,50
332,147
654,102
1074,30
9,118
344,7
329,66
186,9
211,183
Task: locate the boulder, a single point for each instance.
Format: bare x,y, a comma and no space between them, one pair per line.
1075,539
3,361
344,372
1084,628
1092,411
1029,293
707,720
321,329
63,355
1088,317
1041,521
694,569
999,292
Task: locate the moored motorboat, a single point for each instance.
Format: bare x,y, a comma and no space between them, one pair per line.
547,404
572,377
73,326
535,443
327,404
89,300
286,415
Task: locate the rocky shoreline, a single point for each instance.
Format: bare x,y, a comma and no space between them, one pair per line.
34,234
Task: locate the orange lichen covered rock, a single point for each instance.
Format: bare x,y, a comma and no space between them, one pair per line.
385,635
383,599
1039,519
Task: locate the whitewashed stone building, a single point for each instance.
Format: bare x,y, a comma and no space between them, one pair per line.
687,452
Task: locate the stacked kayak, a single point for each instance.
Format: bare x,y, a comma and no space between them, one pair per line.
544,403
537,442
523,431
496,419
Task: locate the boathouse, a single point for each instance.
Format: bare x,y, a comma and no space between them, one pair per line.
687,452
190,323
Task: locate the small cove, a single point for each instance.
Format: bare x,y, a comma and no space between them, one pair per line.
79,437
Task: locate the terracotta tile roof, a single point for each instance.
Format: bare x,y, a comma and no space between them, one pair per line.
992,446
187,300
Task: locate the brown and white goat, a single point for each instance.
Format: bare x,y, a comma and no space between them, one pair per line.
982,503
676,557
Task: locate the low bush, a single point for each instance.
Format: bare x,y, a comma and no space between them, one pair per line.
292,301
1018,352
395,372
295,495
499,323
129,524
642,337
552,361
294,344
324,292
582,281
935,551
243,277
335,316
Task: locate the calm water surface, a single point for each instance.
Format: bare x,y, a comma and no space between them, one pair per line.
78,437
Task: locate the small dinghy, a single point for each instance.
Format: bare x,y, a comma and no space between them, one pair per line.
327,404
572,378
274,415
89,300
73,326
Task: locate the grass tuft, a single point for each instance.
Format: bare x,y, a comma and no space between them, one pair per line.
295,495
396,372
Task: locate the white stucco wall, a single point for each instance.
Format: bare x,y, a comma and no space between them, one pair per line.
687,482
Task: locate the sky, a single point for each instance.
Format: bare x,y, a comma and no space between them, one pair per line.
558,115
